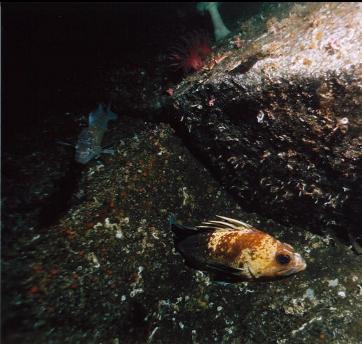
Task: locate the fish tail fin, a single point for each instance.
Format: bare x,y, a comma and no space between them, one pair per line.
101,116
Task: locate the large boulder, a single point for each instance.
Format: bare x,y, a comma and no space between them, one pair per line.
279,118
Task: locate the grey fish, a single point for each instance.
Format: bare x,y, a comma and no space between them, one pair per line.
90,139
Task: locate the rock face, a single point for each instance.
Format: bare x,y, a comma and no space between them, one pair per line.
279,119
107,271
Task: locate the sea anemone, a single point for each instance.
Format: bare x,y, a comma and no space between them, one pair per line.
190,54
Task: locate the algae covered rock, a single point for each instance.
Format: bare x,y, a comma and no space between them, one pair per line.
278,119
107,271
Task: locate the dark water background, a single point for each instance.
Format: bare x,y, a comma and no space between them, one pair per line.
53,54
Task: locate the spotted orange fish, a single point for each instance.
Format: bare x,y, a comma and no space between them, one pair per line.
233,249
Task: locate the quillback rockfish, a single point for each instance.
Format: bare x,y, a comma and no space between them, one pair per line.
233,250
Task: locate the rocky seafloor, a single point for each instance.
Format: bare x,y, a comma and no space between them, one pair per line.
88,255
106,270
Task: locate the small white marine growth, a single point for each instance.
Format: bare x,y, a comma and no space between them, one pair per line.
342,294
333,283
94,260
114,227
309,294
220,30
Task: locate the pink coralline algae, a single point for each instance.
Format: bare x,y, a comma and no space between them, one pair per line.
190,54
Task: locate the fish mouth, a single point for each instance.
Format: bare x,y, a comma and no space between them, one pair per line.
299,265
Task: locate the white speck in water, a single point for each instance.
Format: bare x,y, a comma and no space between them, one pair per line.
219,308
181,325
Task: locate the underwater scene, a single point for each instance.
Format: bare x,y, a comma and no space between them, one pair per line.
181,173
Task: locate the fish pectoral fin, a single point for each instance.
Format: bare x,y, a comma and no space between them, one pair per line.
221,268
224,279
249,271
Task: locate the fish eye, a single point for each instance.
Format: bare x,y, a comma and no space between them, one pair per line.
282,259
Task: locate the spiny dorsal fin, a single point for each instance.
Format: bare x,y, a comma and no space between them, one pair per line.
228,223
235,222
218,223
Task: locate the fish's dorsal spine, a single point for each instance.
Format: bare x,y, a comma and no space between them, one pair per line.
235,222
227,224
217,223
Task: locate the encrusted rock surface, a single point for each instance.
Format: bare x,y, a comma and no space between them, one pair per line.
107,271
278,117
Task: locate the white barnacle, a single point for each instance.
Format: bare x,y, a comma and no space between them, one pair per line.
333,283
93,258
343,121
119,234
342,294
260,116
